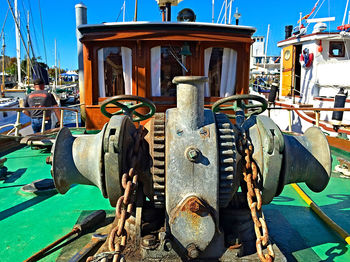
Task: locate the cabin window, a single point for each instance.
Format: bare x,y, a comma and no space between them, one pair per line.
336,49
114,71
165,65
220,67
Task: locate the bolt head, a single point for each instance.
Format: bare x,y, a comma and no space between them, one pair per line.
179,132
194,206
192,251
167,246
149,240
192,154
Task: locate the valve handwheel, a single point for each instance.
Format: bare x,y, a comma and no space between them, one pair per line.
128,107
252,109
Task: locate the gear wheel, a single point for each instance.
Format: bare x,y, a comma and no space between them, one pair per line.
228,181
157,138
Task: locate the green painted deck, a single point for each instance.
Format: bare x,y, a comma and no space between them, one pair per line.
297,230
29,222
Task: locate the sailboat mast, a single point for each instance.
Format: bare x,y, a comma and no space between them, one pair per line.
212,11
18,46
267,42
3,66
55,63
28,44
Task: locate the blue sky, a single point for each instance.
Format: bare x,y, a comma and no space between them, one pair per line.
59,20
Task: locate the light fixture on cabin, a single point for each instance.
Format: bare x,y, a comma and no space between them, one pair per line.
186,15
237,16
185,50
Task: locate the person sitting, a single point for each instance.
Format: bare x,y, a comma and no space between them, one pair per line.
40,98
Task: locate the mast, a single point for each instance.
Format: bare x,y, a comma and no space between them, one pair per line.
267,41
346,9
124,11
59,72
212,11
135,18
28,44
55,63
18,46
3,66
225,11
229,16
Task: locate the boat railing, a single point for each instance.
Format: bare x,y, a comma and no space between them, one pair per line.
17,125
316,110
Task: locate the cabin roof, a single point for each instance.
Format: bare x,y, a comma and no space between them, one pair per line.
312,37
169,26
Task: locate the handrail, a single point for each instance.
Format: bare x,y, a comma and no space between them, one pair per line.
17,125
36,108
316,110
309,109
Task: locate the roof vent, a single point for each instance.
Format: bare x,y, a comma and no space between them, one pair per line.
319,27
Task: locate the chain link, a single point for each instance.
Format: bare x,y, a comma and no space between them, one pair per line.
254,199
125,202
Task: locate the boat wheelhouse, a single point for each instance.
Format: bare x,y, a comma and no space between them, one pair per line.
315,66
142,58
314,70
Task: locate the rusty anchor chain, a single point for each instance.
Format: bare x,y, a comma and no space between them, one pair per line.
124,205
254,199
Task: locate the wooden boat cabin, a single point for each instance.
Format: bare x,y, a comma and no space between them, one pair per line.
142,58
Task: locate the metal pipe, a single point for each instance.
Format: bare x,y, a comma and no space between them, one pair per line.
290,120
18,123
61,120
168,12
81,19
190,100
43,122
317,118
76,119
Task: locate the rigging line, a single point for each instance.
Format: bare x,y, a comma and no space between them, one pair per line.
26,24
345,11
3,26
42,31
222,7
20,34
121,9
315,13
33,26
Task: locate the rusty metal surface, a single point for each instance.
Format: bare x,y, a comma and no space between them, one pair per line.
228,157
156,140
194,220
200,178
